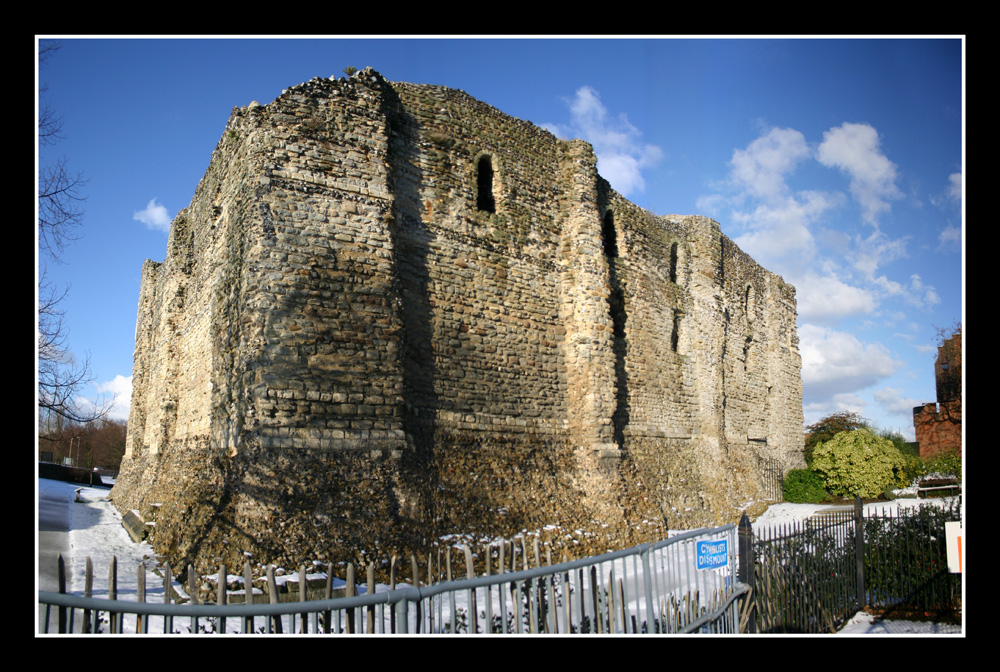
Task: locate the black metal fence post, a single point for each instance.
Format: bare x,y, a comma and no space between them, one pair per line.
61,571
746,574
859,551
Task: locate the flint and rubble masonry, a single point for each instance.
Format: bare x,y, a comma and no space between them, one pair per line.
392,312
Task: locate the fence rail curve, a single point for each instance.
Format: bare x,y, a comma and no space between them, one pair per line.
653,587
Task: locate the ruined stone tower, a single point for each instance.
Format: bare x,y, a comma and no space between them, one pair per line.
392,312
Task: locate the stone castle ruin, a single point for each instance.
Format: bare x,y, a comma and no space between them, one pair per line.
392,312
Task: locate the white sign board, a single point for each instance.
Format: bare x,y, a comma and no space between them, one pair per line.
956,549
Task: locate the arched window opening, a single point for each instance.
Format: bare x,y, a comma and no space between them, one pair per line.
673,263
484,181
748,304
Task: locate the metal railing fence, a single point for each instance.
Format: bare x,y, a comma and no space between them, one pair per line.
812,576
773,472
804,575
906,561
646,589
651,588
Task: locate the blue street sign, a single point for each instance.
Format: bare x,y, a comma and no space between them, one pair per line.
713,554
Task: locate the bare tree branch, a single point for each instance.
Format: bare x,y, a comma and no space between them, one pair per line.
60,376
60,208
60,216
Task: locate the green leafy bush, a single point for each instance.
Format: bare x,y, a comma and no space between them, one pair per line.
898,440
829,427
914,466
803,486
944,463
859,463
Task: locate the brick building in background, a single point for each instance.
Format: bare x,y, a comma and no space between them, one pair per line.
939,425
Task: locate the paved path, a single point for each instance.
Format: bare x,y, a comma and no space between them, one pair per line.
54,498
53,526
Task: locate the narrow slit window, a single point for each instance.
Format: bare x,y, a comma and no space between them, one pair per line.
673,263
484,180
675,336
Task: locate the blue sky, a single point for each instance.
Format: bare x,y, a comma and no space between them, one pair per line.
837,163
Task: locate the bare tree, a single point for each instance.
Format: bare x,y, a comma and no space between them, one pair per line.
60,201
60,215
94,444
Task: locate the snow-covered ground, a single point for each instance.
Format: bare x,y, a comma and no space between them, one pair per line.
778,514
96,532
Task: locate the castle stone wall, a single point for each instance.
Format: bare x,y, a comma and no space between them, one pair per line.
346,350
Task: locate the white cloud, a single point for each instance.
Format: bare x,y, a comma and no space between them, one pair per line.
621,154
118,392
952,195
761,167
915,294
922,295
119,386
778,222
854,148
950,238
710,204
893,402
838,273
781,228
835,362
955,186
827,299
876,250
155,216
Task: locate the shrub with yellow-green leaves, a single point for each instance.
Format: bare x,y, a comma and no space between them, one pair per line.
859,463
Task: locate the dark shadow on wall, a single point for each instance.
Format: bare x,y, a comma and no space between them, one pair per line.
480,482
258,507
616,308
411,242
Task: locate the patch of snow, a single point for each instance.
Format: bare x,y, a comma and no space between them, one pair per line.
864,623
96,532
